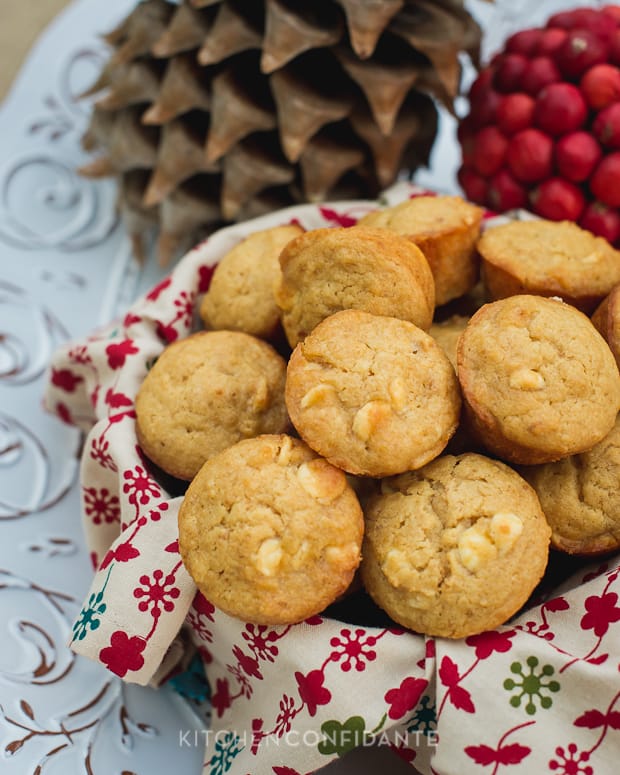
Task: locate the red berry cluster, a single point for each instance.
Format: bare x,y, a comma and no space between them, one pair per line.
543,130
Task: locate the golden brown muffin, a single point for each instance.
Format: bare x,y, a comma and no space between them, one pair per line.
455,548
447,332
549,258
206,392
446,229
372,394
328,270
539,382
270,532
580,496
606,319
241,294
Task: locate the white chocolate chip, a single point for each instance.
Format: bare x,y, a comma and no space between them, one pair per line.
475,549
398,394
284,454
527,379
368,418
591,258
395,567
261,395
269,556
317,395
347,554
505,528
321,480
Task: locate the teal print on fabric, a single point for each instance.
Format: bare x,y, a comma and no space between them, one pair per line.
89,618
425,718
226,749
531,685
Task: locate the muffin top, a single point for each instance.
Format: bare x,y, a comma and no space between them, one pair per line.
423,216
539,381
550,258
270,532
374,395
581,497
455,548
205,392
331,269
241,294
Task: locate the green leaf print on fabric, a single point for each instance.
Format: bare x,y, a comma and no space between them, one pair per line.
531,685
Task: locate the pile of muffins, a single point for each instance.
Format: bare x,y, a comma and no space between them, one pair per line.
415,404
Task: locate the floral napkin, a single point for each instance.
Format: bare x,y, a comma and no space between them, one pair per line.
540,694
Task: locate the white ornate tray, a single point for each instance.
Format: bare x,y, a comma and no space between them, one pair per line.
65,268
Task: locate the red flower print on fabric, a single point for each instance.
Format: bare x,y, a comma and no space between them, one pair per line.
353,648
249,665
156,292
221,699
406,697
602,612
260,641
486,643
117,400
157,593
312,691
139,486
203,606
62,410
185,305
285,717
123,654
571,761
65,379
80,354
101,506
117,352
100,454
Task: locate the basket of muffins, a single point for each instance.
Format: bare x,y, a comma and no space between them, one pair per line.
364,459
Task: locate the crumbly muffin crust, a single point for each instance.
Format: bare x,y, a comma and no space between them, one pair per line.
372,394
206,392
331,269
455,548
539,382
270,532
548,258
241,294
446,229
580,496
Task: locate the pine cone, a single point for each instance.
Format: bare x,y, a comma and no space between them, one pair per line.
212,111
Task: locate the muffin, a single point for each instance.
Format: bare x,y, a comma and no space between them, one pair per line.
446,229
539,382
372,394
447,332
270,532
241,294
331,269
606,319
455,548
580,496
549,258
206,392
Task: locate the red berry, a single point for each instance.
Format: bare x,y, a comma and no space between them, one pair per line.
530,155
508,72
600,85
601,220
489,150
550,41
614,47
567,20
523,42
540,72
481,85
581,50
484,107
606,126
558,200
505,193
560,108
474,185
515,112
604,181
576,156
